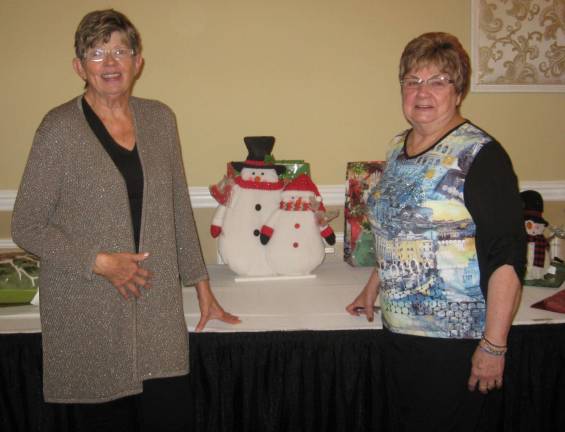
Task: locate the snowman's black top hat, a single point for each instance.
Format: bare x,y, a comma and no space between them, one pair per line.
533,206
258,147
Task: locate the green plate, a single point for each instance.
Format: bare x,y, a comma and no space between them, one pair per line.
17,296
19,274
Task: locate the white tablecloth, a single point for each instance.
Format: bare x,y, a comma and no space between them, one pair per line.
307,304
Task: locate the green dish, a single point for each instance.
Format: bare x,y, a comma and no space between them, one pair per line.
19,275
16,296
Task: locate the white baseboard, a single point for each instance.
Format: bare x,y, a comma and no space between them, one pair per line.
7,199
333,195
7,244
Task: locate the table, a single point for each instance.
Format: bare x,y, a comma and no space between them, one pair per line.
297,362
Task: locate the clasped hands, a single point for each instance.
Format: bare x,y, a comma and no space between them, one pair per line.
124,272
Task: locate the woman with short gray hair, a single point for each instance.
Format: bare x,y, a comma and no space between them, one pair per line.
104,203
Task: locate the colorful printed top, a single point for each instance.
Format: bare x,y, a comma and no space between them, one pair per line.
438,236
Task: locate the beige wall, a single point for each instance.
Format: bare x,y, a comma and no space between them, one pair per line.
320,75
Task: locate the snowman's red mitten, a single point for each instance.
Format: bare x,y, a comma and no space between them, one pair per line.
329,236
266,234
215,230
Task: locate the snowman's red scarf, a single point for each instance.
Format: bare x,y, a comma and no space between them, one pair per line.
250,184
297,205
540,246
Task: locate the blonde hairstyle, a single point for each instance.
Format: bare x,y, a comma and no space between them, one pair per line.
98,26
442,50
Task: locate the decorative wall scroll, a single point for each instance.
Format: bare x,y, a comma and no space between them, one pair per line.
518,45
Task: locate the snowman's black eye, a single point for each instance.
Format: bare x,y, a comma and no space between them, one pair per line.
262,173
253,173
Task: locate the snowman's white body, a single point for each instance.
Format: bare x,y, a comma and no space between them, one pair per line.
296,246
241,221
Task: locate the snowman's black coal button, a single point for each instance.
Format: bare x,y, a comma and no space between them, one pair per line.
256,232
258,207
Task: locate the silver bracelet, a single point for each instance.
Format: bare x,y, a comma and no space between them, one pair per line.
486,346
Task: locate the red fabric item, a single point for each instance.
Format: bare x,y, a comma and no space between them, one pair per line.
267,230
554,303
250,184
540,246
215,230
328,231
220,195
295,206
304,183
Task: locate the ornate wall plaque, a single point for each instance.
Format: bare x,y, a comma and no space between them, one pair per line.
518,45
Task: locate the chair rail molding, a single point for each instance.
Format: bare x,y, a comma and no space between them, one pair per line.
333,195
7,198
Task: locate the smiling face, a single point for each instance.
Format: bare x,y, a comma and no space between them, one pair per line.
259,175
427,106
109,78
533,228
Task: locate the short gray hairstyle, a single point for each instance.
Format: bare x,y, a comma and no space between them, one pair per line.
98,26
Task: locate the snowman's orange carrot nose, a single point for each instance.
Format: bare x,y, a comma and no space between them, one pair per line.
257,178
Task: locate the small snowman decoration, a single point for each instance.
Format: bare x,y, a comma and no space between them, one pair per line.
538,245
254,195
294,234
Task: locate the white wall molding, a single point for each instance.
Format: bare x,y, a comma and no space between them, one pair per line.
7,244
551,190
333,195
7,198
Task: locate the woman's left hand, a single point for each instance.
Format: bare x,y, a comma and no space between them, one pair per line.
210,308
486,371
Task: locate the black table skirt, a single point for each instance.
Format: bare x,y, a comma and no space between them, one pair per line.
298,381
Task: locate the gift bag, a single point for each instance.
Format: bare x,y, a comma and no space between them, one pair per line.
359,242
294,168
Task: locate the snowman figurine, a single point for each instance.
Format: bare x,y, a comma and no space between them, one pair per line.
254,196
538,245
293,234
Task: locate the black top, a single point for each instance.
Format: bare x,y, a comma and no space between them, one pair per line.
127,162
492,197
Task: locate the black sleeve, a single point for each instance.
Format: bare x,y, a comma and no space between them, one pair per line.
492,197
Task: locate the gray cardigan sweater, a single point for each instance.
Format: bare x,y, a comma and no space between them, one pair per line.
73,204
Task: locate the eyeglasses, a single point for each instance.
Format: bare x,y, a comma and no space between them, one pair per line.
99,54
435,83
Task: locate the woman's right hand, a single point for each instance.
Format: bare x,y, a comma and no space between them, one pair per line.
123,271
364,302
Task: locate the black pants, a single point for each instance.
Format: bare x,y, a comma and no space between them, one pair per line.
427,386
164,406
